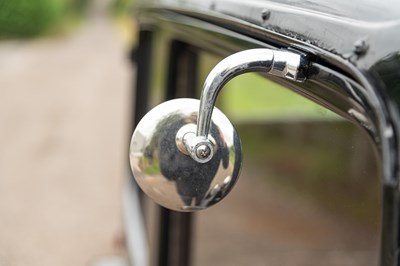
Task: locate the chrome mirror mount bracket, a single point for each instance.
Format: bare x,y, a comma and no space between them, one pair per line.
283,64
186,154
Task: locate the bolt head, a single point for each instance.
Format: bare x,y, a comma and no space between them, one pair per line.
203,151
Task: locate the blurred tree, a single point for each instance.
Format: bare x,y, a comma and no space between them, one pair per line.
121,7
22,18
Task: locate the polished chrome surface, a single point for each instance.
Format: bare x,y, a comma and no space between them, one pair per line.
279,63
134,226
171,177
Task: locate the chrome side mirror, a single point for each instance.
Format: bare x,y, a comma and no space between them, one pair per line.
185,153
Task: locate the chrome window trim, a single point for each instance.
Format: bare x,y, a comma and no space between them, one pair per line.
134,228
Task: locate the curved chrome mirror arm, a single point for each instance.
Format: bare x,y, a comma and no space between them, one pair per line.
186,166
279,63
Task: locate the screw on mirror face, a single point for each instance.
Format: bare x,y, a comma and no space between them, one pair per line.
203,151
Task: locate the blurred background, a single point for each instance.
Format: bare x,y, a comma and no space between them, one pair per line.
65,95
309,191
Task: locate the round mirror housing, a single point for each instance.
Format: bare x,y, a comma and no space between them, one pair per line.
177,169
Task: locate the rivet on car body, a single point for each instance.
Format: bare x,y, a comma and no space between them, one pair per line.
360,47
213,5
265,14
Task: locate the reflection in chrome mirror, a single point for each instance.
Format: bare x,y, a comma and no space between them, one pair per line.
164,169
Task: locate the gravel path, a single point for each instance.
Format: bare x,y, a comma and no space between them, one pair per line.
63,122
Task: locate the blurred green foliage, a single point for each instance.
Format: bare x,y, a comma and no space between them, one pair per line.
251,97
331,163
121,7
24,18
